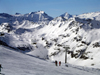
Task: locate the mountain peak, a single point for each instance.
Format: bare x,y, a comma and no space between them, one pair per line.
17,13
66,15
5,15
41,12
38,12
37,16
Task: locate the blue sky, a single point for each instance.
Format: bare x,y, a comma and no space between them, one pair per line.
53,8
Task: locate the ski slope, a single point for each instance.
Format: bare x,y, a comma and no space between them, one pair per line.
15,63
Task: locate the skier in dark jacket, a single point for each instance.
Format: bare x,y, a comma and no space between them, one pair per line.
0,68
56,62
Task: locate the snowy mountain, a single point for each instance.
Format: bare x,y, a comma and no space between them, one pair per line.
36,17
39,35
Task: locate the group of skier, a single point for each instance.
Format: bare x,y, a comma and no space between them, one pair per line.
56,63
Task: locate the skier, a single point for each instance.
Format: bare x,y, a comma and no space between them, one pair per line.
0,68
56,62
59,63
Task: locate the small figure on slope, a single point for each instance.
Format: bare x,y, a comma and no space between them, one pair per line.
59,63
0,68
56,62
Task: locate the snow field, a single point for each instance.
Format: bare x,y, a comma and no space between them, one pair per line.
15,63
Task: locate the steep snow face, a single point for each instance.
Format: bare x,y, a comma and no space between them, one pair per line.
5,28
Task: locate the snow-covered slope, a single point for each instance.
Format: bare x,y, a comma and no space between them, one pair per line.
15,63
48,38
92,15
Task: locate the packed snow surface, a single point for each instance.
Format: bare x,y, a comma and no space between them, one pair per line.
15,63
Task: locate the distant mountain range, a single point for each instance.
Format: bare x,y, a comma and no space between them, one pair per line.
40,35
